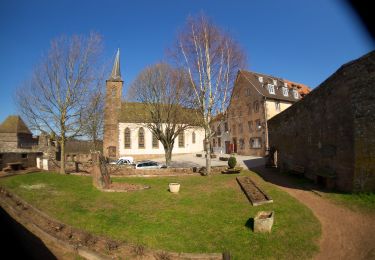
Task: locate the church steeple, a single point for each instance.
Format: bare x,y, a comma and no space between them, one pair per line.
116,73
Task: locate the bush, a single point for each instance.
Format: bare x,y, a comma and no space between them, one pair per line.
232,162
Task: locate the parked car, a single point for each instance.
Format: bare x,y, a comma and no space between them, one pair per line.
124,161
149,165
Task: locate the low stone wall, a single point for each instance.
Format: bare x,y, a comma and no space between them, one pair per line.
119,170
81,242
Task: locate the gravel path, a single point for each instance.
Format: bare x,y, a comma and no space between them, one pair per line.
346,234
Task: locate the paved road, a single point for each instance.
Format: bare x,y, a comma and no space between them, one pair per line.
191,160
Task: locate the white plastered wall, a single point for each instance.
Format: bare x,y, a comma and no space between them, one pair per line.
134,150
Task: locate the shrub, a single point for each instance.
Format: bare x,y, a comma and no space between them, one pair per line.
232,162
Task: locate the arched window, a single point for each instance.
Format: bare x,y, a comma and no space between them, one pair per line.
141,138
256,106
155,141
127,138
181,139
193,137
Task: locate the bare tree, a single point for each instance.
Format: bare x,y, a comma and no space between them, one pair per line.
93,118
212,59
56,98
166,96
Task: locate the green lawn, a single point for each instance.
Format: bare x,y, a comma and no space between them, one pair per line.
356,201
210,214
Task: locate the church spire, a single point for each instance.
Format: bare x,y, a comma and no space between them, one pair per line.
116,74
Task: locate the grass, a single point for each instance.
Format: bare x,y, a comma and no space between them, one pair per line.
210,214
363,201
357,201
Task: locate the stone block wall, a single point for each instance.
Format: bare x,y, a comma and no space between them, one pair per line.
27,159
331,131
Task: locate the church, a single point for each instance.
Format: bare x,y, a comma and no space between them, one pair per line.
125,133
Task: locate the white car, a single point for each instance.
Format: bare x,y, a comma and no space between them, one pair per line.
149,165
124,160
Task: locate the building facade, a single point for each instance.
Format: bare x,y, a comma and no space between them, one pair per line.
17,144
255,99
221,140
125,131
330,134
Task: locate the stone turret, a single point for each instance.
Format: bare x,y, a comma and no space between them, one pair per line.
112,110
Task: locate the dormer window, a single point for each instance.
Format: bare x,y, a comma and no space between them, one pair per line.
275,82
260,79
285,91
271,89
295,94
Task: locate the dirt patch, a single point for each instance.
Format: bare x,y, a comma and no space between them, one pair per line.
255,194
37,186
126,187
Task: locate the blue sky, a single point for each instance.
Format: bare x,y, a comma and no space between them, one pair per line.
300,40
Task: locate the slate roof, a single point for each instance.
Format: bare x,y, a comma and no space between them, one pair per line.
14,124
116,72
253,79
136,112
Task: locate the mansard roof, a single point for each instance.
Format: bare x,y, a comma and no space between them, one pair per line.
254,79
14,124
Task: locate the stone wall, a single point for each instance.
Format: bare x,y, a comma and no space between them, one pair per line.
27,159
111,118
331,131
240,112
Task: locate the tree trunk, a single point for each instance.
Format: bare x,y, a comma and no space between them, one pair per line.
168,154
208,151
62,161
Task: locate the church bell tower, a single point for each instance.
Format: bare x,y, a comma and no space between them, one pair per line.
112,111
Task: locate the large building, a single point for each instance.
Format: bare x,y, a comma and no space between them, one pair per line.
125,132
255,99
330,134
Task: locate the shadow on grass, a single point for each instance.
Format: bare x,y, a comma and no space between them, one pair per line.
250,224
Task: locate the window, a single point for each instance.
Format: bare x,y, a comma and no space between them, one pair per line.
242,144
219,142
295,94
127,138
247,92
256,142
271,89
193,137
181,139
277,105
24,156
218,130
260,79
155,141
285,91
113,92
226,127
258,125
240,128
275,82
213,142
141,138
250,125
256,106
234,129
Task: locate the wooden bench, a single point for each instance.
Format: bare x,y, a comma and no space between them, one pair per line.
298,169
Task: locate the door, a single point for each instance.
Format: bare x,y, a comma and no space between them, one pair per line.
234,144
227,147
